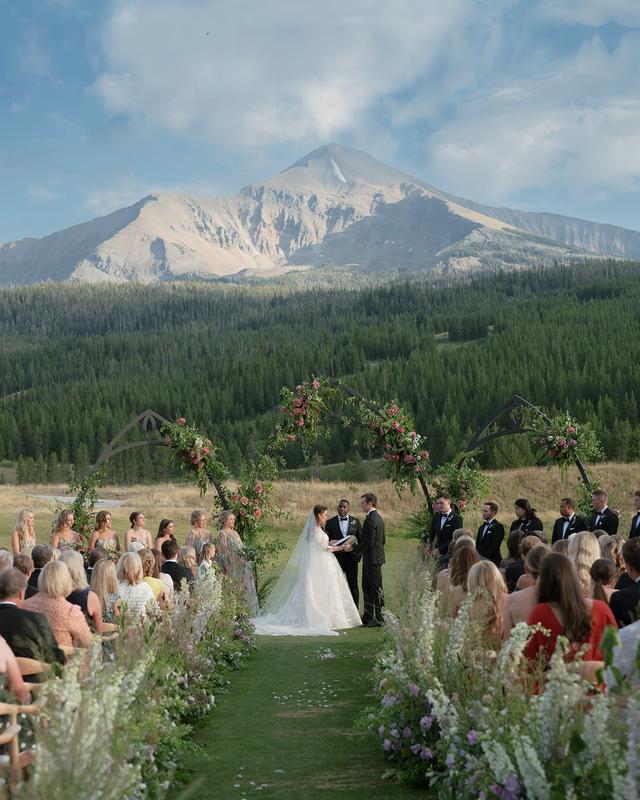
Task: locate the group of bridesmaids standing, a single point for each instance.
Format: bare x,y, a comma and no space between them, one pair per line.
228,546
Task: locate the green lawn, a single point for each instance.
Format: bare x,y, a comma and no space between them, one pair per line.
286,727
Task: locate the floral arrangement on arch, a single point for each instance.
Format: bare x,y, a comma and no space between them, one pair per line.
564,440
83,509
196,454
462,480
303,410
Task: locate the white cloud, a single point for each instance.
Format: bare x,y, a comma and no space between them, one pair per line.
42,193
575,129
34,56
256,74
590,12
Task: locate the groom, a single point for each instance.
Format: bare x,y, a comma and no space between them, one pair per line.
343,524
371,546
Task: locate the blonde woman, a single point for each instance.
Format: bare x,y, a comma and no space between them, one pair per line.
137,537
151,572
103,536
23,536
187,559
230,556
486,584
67,621
583,551
136,595
198,534
81,595
63,534
104,582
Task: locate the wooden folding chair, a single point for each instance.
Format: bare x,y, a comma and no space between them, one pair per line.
9,736
31,666
18,761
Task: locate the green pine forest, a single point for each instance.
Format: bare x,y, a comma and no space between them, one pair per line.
77,362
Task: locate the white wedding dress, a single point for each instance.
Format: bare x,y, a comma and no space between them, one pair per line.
311,597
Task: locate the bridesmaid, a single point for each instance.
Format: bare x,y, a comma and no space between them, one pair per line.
103,536
198,534
165,532
23,536
63,534
137,534
230,556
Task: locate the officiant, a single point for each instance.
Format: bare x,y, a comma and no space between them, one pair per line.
343,524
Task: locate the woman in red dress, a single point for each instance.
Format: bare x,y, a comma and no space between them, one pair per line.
564,611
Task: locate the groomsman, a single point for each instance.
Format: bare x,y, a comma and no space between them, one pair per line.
490,534
603,519
343,524
372,541
444,522
569,522
635,522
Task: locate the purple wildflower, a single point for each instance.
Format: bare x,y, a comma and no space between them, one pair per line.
406,733
387,745
426,723
415,749
413,690
472,737
426,754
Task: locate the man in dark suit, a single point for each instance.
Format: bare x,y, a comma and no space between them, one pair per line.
372,541
443,524
176,571
568,522
635,522
27,633
625,603
343,524
41,555
490,534
603,519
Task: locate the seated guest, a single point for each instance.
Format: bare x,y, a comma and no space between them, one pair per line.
104,582
563,610
166,579
27,633
67,621
41,555
443,523
604,575
569,522
151,574
624,603
583,551
205,559
625,657
95,555
598,533
442,578
171,567
464,557
6,560
24,563
519,605
136,595
603,518
81,594
513,550
526,520
9,668
187,559
561,546
611,547
487,586
517,575
490,534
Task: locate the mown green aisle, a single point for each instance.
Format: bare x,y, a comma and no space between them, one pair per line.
285,730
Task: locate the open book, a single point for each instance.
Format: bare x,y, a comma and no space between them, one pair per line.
350,539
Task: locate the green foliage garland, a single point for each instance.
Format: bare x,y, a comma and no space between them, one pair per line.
564,440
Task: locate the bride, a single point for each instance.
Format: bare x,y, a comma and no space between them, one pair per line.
311,597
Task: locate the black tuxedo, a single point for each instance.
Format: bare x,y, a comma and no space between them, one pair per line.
372,541
608,522
348,561
625,605
488,544
576,524
635,526
32,584
177,573
29,634
440,535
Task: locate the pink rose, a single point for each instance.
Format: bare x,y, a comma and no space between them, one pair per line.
243,512
409,459
413,434
300,422
395,425
259,488
182,421
297,401
424,454
316,384
244,501
205,450
234,497
571,429
401,429
257,513
394,409
291,437
299,388
284,410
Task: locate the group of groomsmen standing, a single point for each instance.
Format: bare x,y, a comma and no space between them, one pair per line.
491,532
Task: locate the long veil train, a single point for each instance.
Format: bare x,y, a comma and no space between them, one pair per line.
311,596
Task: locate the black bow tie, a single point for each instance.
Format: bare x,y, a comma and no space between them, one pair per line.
344,519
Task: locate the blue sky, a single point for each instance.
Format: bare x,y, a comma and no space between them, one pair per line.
529,104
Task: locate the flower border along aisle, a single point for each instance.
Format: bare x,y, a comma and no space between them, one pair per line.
117,726
466,721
